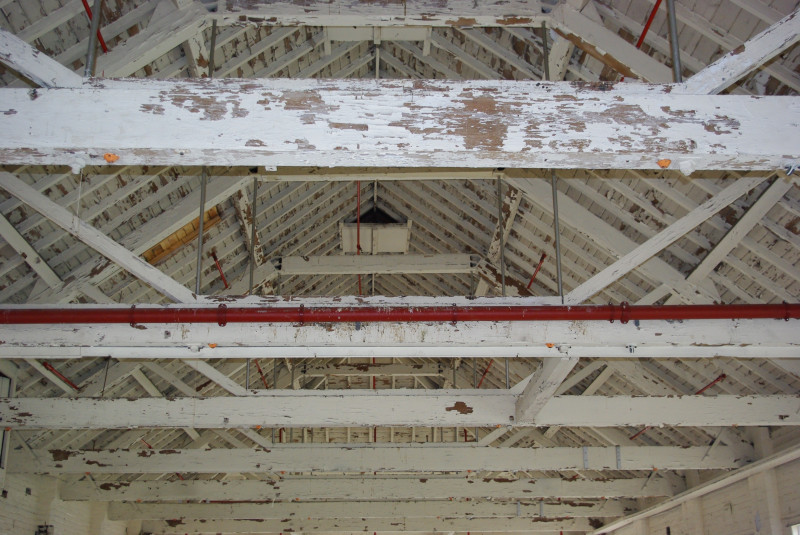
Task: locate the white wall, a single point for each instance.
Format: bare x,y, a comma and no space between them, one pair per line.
22,510
741,508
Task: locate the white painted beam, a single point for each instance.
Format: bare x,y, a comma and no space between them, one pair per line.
370,370
597,231
95,239
457,13
53,378
485,525
50,21
542,387
217,376
391,123
160,36
435,488
18,242
417,509
662,240
382,264
144,237
366,458
401,408
608,47
768,199
745,58
697,338
35,65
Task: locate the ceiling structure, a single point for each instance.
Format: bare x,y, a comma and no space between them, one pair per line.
429,120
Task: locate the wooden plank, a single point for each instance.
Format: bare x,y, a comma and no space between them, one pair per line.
542,387
605,236
160,36
457,13
696,339
524,525
733,237
24,249
33,64
95,239
383,264
360,123
662,240
435,488
608,47
401,408
144,237
745,58
416,509
367,459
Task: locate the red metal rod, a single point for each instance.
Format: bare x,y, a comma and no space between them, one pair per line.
99,35
261,373
536,272
647,25
465,434
709,385
722,377
219,268
222,315
491,361
59,375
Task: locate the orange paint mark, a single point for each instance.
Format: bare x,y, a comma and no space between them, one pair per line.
110,158
663,164
548,345
212,346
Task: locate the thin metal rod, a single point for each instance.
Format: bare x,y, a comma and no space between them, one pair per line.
546,53
501,232
247,376
90,53
253,233
99,34
673,41
557,231
200,232
508,382
211,51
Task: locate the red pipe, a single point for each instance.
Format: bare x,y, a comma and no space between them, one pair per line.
59,375
536,272
223,315
465,434
647,25
219,268
99,35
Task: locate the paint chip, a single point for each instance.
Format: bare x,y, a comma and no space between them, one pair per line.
110,158
663,164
